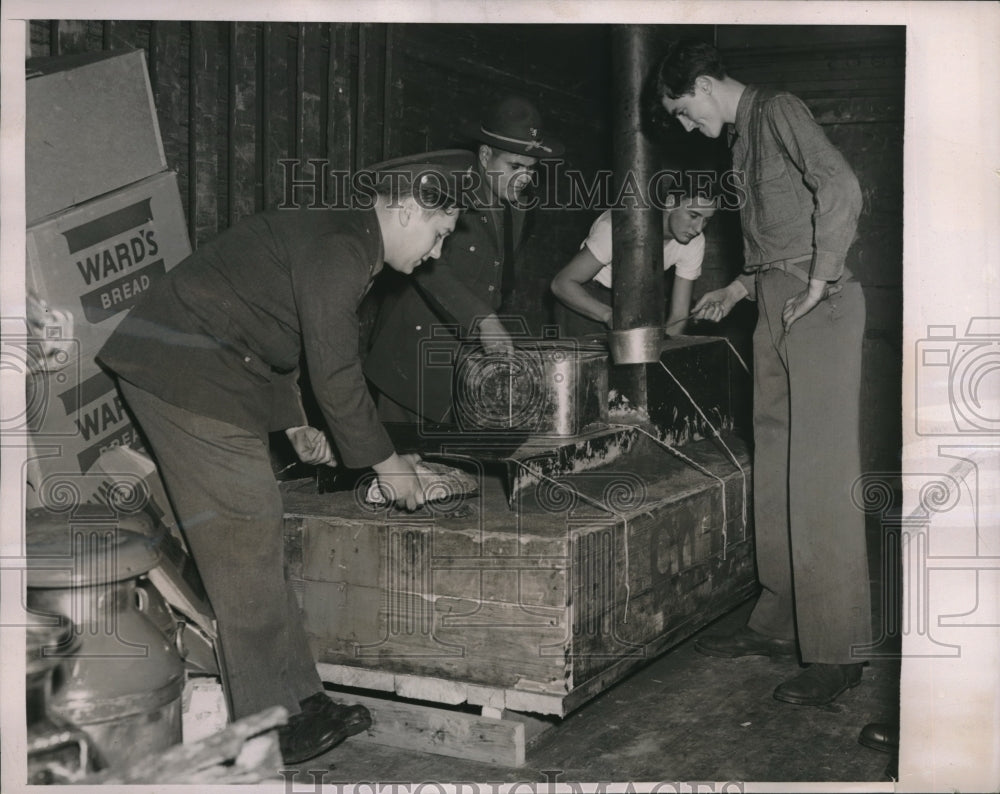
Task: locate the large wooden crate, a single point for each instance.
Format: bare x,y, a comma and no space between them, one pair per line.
555,599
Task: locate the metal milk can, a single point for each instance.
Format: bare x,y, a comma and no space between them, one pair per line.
123,685
57,751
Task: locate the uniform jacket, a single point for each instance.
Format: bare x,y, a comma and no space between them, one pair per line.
223,333
413,346
803,198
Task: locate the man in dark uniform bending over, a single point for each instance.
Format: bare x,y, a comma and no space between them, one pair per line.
208,363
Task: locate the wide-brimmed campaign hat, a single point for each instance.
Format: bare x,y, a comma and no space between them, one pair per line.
436,177
515,125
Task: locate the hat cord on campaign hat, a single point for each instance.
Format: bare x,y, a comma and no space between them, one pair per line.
529,142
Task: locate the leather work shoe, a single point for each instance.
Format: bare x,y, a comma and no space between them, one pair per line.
321,703
743,642
320,726
819,684
881,736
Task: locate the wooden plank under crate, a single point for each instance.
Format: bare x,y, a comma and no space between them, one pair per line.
410,726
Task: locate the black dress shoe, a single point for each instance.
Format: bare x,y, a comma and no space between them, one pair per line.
744,642
881,736
355,715
819,684
320,726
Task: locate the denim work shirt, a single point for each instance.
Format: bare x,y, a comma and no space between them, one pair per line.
803,199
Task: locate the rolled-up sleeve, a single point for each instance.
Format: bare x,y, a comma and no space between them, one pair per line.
599,241
835,189
328,289
749,282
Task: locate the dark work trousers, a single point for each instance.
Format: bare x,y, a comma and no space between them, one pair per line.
226,499
810,537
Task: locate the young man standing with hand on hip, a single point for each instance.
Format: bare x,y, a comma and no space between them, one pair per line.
799,220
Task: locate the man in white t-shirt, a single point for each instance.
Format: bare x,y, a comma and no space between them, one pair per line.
683,249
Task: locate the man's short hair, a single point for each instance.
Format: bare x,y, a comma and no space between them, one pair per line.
700,186
700,199
684,63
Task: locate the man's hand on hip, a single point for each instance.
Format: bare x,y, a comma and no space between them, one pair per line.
800,305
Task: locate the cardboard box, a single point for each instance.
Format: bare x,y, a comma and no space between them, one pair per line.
90,128
77,415
93,262
96,260
204,709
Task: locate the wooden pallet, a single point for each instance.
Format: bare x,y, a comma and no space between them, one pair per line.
497,735
505,724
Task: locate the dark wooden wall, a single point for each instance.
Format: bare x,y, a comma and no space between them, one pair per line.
234,99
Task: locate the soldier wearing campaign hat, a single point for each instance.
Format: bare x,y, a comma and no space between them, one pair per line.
514,125
208,363
471,284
